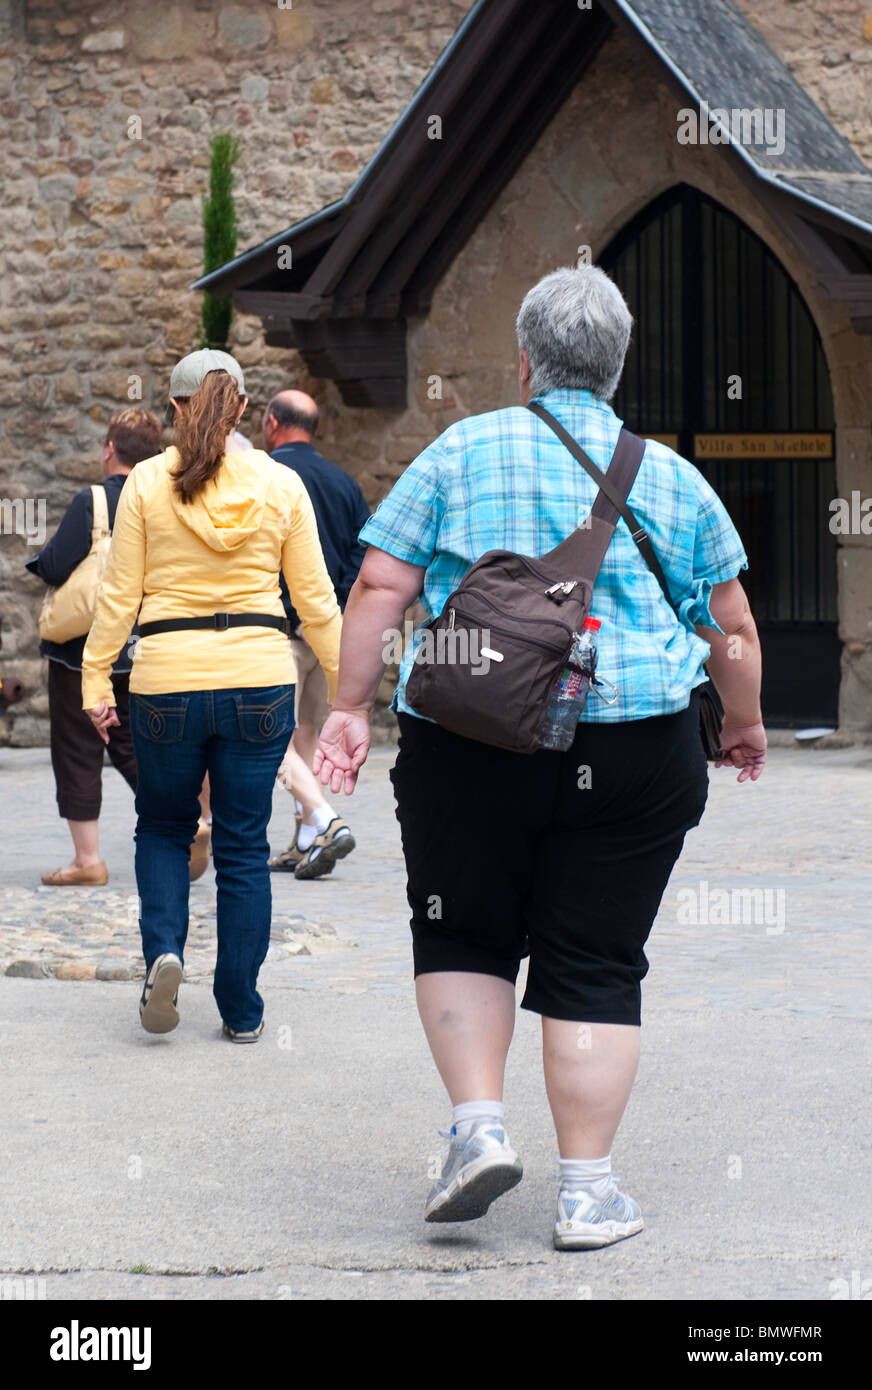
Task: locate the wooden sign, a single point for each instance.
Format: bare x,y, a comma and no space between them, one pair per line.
670,440
763,446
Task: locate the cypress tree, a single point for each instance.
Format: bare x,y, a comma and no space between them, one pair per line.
219,236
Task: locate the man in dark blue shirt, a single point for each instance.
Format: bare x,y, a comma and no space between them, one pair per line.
290,420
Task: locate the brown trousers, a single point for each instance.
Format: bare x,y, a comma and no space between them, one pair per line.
76,747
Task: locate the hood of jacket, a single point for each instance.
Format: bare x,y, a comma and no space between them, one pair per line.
229,509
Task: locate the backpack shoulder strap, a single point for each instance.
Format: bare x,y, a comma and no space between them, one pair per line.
614,488
100,507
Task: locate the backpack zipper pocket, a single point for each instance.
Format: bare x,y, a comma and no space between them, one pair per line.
567,585
488,603
507,632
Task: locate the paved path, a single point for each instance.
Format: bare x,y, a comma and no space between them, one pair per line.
297,1168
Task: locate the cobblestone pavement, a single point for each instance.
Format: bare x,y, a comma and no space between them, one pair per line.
143,1166
82,933
796,843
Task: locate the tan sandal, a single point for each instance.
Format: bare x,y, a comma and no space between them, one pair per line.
326,848
287,861
93,876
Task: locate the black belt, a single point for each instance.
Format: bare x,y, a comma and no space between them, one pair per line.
217,622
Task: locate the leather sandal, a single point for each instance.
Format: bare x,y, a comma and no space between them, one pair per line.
94,876
287,861
328,847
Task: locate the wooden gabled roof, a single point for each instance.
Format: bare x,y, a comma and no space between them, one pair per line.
365,264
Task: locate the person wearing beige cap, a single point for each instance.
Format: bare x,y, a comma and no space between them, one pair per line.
202,532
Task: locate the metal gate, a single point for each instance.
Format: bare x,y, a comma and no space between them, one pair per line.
726,360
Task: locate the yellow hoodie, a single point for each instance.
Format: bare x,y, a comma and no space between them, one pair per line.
220,553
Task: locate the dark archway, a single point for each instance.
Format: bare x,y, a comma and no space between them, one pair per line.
724,345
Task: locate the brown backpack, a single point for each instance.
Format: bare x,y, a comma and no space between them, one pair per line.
500,642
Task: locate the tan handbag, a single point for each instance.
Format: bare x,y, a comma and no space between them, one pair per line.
68,611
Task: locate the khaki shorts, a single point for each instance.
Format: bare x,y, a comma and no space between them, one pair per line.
311,703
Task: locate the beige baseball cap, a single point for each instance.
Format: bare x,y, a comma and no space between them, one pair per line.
189,374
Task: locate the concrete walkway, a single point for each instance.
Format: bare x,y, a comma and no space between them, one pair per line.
133,1166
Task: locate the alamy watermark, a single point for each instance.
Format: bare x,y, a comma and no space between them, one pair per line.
738,125
24,1288
852,518
447,646
77,1343
858,1288
733,907
23,516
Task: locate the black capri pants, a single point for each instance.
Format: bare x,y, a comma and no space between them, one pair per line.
76,747
560,856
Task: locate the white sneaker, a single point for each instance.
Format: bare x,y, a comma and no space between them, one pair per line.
476,1171
160,993
585,1222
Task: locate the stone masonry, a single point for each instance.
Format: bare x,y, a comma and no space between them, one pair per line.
107,115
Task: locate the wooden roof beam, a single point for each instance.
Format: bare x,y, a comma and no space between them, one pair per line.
448,168
419,276
389,184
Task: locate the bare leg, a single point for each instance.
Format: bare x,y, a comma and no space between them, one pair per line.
86,838
589,1074
202,842
300,781
205,800
305,741
468,1020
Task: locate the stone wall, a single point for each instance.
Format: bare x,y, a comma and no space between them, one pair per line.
828,48
106,115
101,234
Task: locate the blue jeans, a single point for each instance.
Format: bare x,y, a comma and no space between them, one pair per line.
239,737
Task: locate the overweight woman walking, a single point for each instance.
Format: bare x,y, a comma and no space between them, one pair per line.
562,856
201,534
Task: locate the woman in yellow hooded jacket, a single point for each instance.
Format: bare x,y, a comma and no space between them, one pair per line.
200,536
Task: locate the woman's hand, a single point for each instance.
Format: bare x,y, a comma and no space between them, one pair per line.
103,717
379,597
342,749
745,748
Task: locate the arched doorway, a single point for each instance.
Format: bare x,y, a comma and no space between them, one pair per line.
726,364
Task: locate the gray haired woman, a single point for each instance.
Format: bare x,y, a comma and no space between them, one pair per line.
561,856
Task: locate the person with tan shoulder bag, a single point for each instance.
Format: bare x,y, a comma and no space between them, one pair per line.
68,610
72,563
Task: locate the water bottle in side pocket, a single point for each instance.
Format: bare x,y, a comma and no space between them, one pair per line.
569,692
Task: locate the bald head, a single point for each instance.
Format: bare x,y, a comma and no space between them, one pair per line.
290,418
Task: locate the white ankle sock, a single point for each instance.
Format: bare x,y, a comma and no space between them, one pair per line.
592,1174
305,835
470,1112
321,817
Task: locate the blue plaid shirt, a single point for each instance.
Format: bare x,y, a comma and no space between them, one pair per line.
503,481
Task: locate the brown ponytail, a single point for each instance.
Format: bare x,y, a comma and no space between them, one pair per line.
202,427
